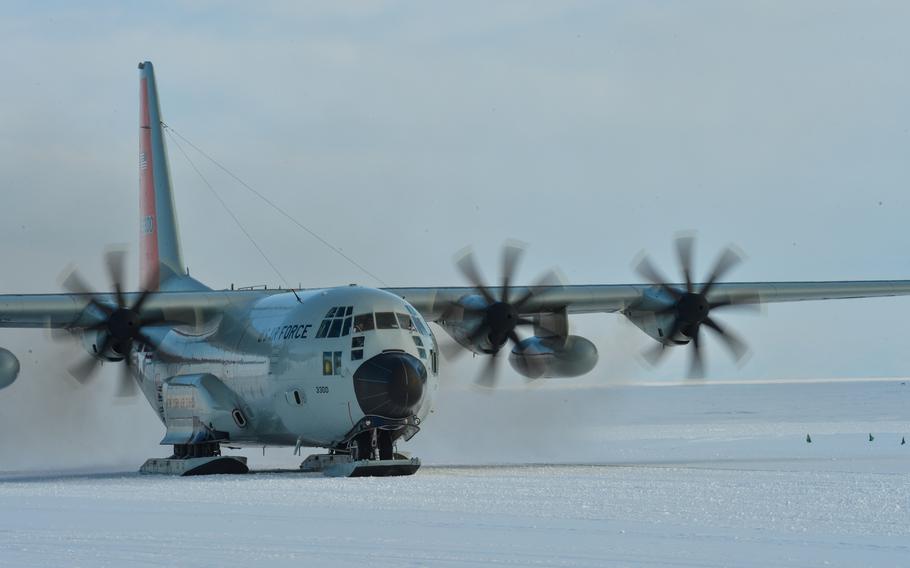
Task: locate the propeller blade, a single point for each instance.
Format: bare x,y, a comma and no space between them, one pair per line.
684,245
548,282
697,367
487,376
61,334
515,338
511,255
654,354
478,332
115,260
731,341
145,339
104,308
749,302
451,350
75,284
146,294
647,271
468,269
126,384
85,369
727,260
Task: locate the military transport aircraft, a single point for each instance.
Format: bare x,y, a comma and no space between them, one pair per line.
350,369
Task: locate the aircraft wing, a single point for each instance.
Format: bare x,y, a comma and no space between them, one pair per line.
69,310
73,310
432,303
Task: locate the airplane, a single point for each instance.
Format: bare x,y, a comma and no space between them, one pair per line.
351,369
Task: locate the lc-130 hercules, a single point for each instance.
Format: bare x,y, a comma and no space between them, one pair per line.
351,369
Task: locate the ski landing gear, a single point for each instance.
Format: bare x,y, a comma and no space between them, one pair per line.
196,459
370,452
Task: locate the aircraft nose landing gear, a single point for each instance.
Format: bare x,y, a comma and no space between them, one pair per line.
374,444
369,451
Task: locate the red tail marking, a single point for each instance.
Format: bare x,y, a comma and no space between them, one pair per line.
148,218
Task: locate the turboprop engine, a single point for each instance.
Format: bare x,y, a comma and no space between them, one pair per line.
553,357
94,341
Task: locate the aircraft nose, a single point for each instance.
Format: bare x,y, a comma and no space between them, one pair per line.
390,384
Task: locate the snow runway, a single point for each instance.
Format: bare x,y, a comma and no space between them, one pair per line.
688,485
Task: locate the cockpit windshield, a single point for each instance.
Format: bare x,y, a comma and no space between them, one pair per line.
386,320
362,323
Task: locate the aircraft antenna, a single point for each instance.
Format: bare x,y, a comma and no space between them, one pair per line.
274,206
228,209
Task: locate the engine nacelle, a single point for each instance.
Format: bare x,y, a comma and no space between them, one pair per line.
656,326
92,341
552,357
9,368
459,323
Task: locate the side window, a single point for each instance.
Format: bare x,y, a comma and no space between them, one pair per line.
346,326
331,363
327,368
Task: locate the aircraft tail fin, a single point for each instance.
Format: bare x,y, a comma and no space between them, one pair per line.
160,260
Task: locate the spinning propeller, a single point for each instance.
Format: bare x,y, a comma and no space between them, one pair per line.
691,307
499,317
120,326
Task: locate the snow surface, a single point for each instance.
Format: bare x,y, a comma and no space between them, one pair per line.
712,475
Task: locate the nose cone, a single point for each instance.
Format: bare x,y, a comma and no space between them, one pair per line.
390,385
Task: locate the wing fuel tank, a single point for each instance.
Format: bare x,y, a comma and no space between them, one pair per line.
551,357
9,368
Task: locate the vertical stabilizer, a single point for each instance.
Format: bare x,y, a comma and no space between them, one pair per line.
160,260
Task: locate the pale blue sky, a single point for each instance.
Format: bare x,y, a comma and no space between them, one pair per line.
403,131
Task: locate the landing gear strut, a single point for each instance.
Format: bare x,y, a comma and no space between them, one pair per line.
369,450
196,459
373,444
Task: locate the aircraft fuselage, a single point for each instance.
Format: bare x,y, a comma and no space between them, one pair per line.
295,369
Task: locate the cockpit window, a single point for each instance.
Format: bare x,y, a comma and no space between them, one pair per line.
418,321
335,324
386,320
363,322
405,322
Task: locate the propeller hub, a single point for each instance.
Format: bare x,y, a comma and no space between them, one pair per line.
123,324
501,319
692,309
